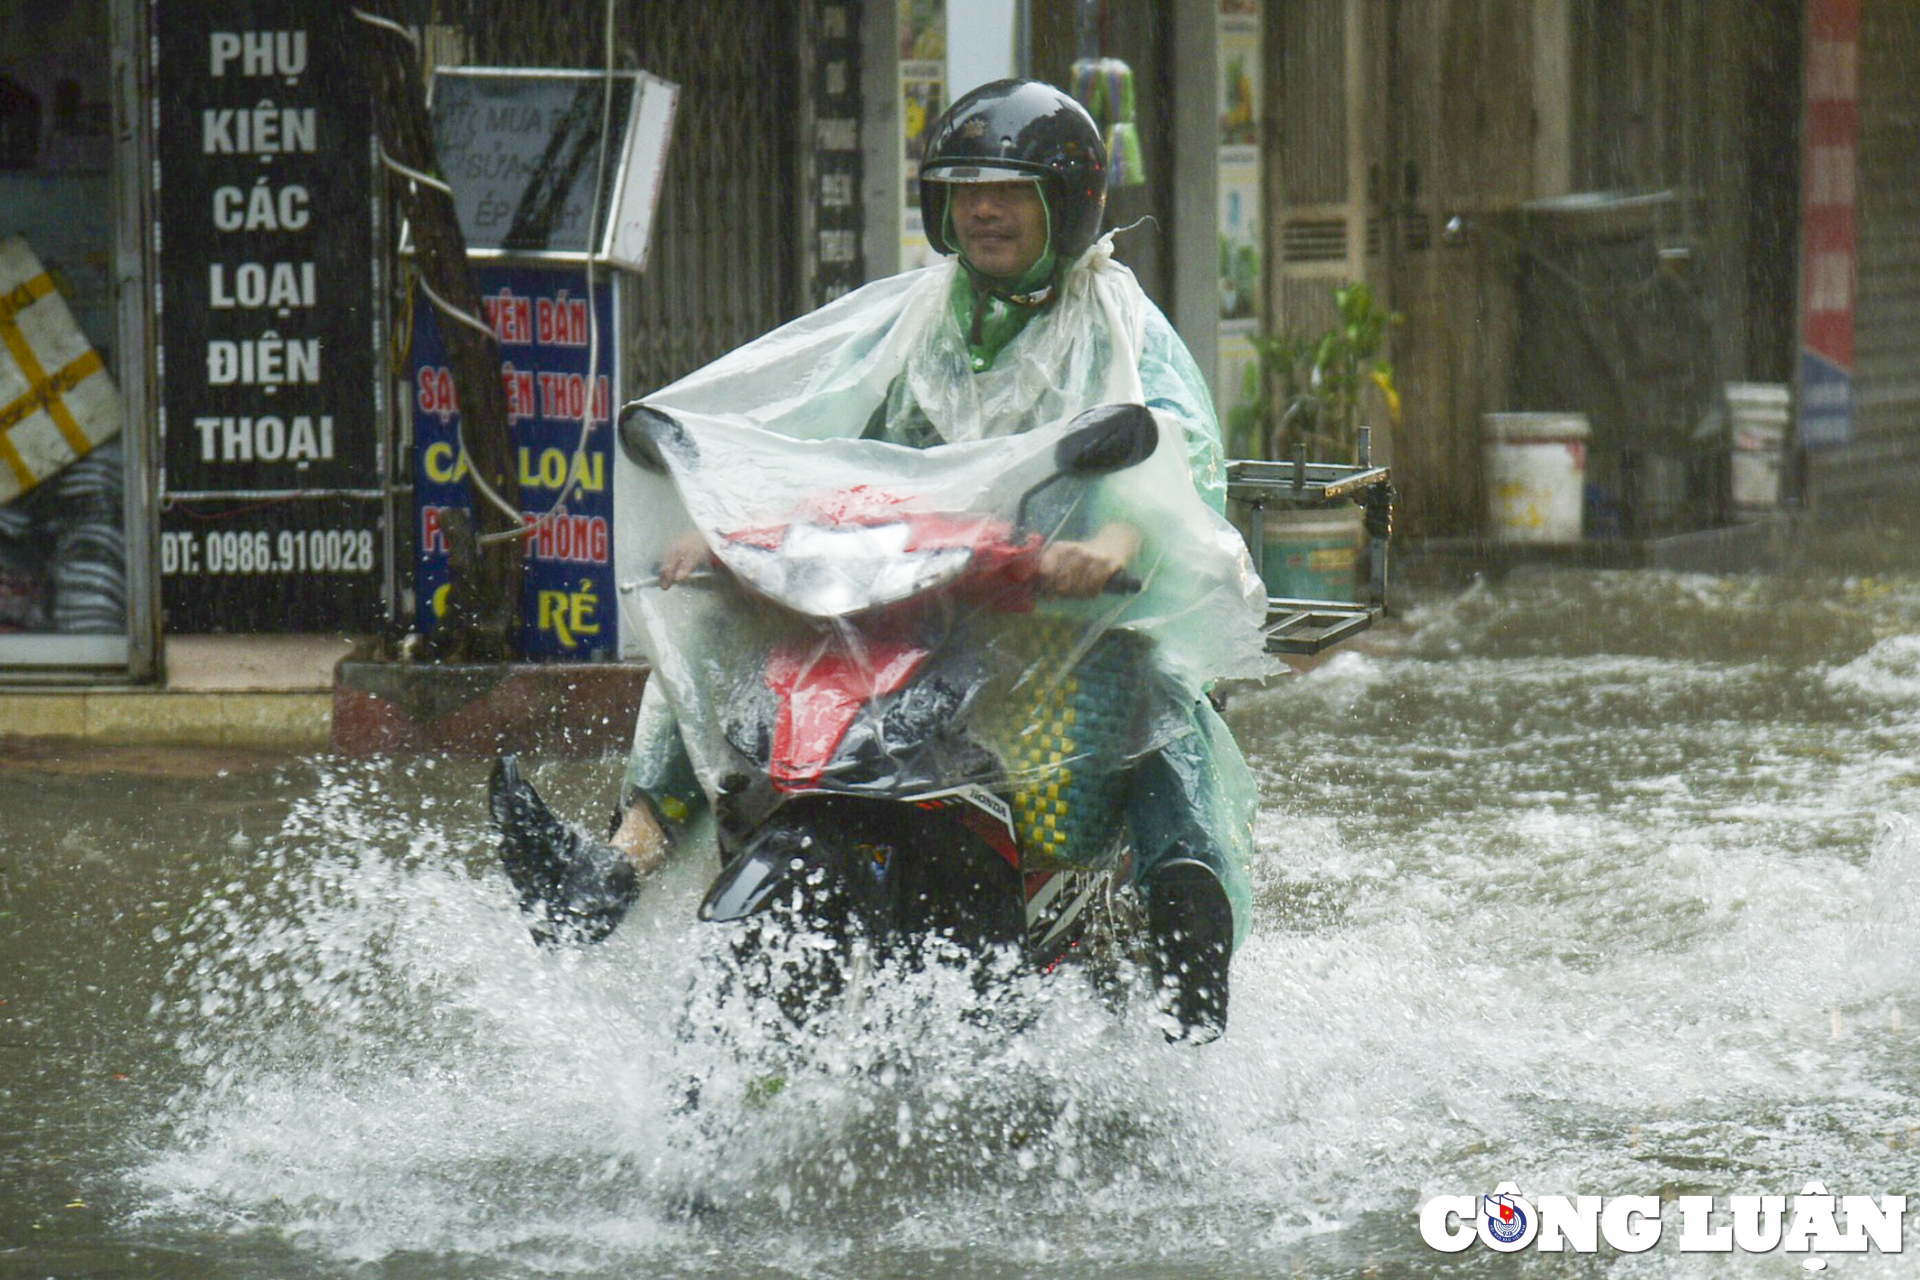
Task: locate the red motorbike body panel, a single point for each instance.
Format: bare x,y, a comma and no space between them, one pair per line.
822,689
820,693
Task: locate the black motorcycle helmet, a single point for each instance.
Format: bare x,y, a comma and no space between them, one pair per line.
1013,129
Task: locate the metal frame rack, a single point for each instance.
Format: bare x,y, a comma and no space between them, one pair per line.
1306,627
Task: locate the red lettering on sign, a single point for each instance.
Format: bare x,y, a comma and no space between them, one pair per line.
519,384
433,392
432,540
581,539
563,395
563,321
511,316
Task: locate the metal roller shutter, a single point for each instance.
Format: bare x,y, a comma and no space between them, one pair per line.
725,266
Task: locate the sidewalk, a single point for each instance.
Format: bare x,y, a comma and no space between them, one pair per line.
292,693
267,691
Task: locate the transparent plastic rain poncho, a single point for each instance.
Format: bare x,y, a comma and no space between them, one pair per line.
773,443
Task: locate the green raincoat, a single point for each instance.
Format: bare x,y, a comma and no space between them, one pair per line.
893,362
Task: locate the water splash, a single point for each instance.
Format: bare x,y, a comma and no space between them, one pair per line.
386,1063
1601,907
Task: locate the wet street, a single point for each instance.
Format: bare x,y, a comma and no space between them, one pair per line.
1599,883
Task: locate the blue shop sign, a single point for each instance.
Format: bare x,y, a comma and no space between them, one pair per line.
540,315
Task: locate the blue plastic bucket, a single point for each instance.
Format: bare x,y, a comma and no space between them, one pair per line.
1313,555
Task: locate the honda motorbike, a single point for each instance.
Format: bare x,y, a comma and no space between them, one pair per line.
910,746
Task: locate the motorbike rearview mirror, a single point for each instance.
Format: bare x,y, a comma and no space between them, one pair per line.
1110,437
646,434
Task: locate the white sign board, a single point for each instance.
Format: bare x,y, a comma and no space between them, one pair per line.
646,164
535,177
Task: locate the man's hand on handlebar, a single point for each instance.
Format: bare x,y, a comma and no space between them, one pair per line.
684,556
1083,569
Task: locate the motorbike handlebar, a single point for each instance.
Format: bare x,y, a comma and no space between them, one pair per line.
1121,583
693,578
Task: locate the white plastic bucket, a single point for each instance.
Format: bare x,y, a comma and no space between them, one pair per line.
1536,475
1761,412
1758,401
1755,465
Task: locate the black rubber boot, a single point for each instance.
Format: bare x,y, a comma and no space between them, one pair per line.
1190,925
576,889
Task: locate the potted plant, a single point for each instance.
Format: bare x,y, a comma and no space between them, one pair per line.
1307,389
1303,397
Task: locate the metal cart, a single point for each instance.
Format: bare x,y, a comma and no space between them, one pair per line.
1311,626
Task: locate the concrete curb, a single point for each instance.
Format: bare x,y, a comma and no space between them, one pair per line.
295,720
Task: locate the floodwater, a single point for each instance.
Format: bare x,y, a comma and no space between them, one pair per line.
1599,883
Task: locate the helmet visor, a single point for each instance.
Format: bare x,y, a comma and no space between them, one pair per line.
952,171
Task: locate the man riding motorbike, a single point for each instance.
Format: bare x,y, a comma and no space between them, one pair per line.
1013,185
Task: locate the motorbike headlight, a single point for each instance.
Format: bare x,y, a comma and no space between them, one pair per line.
833,571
